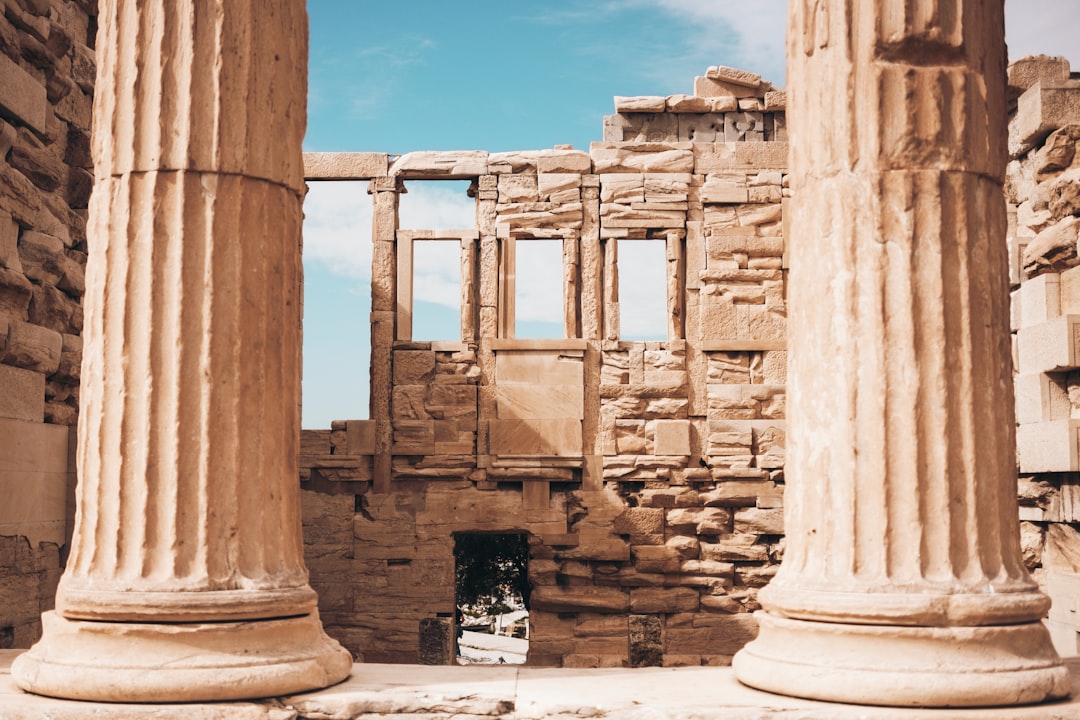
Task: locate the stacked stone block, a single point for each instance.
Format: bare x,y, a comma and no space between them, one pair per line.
46,94
1042,190
647,474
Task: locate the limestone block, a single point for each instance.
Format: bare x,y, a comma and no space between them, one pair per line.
758,521
723,191
538,436
699,521
1064,193
655,558
561,217
753,215
15,295
1040,110
561,185
688,104
539,367
41,256
734,76
736,547
579,599
1064,619
518,188
446,401
1048,446
630,437
720,634
360,437
521,400
775,100
705,127
1028,71
1053,248
642,157
643,525
672,437
563,161
1039,299
624,188
413,367
9,242
440,165
1069,292
760,155
33,347
744,126
344,165
1049,346
640,104
23,397
1041,398
22,95
709,87
1056,154
722,245
664,600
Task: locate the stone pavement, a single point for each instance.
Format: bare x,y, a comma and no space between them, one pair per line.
423,692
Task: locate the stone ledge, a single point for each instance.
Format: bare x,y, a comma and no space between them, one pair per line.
519,693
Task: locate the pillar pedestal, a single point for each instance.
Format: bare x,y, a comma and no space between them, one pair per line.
902,581
186,578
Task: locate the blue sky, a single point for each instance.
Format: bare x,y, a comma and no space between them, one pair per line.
438,75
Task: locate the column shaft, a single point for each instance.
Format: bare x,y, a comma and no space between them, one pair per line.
187,534
902,528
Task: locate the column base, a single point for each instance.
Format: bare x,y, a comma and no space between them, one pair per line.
903,665
162,662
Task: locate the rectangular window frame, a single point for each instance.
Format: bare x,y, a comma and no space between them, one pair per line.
468,239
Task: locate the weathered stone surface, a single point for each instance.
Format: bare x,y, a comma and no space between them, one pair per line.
1054,248
138,597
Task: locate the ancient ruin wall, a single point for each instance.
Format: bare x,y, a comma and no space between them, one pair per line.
46,92
648,475
1043,191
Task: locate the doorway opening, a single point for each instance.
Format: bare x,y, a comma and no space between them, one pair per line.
491,579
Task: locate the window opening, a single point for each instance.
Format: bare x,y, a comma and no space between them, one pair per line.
539,294
492,597
436,306
337,303
643,295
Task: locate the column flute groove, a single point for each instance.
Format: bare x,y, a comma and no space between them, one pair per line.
903,582
186,579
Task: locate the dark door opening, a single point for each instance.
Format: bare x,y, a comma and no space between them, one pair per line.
491,573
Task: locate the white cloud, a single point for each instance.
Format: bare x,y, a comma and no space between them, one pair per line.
437,205
337,227
643,289
538,279
337,232
758,31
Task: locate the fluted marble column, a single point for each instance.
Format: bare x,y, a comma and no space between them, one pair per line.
186,579
902,582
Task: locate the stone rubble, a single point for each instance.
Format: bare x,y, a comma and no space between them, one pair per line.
1044,224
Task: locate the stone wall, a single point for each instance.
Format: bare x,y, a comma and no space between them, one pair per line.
648,475
46,93
1043,190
